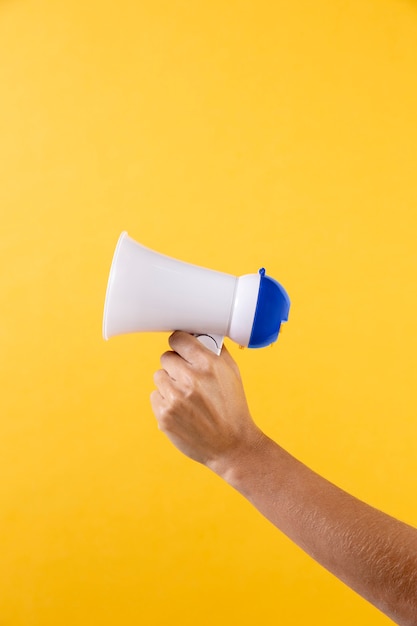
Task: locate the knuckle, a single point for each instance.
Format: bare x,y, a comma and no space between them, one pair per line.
171,408
165,418
188,389
206,364
165,357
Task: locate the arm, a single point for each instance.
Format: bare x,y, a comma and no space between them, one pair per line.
200,404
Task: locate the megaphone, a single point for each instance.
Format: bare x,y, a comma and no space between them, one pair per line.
152,292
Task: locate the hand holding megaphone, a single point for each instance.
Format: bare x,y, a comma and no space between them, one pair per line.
150,292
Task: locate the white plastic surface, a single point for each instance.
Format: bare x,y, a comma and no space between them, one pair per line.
244,307
212,342
148,291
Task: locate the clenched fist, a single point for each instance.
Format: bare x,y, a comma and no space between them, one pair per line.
200,403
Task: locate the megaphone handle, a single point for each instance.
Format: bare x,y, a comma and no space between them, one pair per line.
212,342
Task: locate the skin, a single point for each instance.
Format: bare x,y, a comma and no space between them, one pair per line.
200,404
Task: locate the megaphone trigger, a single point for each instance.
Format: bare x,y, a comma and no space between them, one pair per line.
212,342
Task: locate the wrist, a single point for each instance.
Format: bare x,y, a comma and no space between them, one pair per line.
241,461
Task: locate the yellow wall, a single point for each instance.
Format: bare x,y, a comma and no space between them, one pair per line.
234,135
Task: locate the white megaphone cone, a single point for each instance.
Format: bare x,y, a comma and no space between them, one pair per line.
148,291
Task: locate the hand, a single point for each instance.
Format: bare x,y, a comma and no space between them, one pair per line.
200,403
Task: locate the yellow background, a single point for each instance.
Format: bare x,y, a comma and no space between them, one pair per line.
233,135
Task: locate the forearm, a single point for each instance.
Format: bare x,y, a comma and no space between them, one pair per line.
371,552
200,404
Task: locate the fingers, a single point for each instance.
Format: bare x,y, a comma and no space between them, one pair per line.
193,351
188,347
156,402
164,383
175,374
189,362
174,365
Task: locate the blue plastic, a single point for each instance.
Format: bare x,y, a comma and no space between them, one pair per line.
272,308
